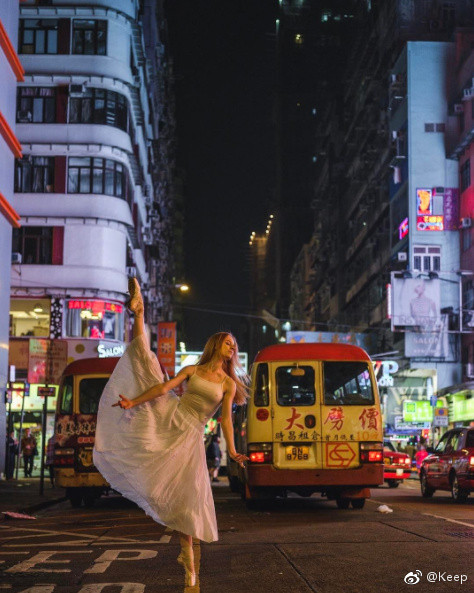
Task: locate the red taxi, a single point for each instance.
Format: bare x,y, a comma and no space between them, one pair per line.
396,465
451,465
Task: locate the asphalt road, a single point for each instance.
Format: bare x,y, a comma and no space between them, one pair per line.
294,545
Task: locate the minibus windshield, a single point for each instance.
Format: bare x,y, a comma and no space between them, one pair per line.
295,390
347,383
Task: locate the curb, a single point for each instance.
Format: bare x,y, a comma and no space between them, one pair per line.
42,505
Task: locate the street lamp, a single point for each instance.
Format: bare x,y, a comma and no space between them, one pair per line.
182,287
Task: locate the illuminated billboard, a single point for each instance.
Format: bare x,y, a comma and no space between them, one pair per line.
424,201
430,223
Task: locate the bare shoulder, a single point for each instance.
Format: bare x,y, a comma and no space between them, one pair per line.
188,371
229,386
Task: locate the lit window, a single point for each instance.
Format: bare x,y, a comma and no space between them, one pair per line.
426,258
299,39
29,317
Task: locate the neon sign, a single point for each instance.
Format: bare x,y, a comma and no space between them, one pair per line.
403,229
95,306
424,201
430,223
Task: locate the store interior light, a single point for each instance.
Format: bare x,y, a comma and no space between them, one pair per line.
38,308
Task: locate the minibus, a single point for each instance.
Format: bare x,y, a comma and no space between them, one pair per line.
312,423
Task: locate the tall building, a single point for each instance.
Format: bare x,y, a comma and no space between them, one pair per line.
94,184
380,139
11,72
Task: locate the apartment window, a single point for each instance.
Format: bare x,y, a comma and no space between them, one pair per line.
34,174
36,105
89,37
88,175
440,128
39,36
35,243
426,258
99,106
466,175
468,295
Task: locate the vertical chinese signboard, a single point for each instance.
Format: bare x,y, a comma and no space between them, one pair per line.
167,345
47,361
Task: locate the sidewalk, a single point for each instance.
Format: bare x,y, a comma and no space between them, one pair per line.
22,495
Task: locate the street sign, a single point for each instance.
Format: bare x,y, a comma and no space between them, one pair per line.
46,391
440,421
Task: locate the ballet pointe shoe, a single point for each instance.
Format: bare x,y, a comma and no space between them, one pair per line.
186,559
135,303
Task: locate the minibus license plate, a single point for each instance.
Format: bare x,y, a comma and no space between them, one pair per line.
297,453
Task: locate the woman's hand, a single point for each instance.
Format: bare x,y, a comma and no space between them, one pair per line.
124,403
240,458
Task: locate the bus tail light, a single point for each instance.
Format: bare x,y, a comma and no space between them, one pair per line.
371,452
471,461
63,457
260,452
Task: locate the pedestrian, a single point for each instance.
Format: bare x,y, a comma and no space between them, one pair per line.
153,452
421,454
11,453
28,451
50,458
213,456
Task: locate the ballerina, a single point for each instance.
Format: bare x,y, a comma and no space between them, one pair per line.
153,453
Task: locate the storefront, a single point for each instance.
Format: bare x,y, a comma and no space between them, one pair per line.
459,399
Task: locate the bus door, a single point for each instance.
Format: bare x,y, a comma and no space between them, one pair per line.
296,415
350,413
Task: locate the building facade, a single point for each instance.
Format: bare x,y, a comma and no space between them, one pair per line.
93,186
11,72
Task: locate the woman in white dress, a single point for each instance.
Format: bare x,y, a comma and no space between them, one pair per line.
153,453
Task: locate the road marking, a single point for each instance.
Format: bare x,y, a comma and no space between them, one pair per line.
450,520
83,538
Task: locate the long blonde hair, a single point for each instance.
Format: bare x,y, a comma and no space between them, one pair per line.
232,367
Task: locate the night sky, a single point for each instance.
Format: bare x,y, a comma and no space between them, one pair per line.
224,62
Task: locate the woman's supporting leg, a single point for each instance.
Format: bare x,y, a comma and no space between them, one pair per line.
186,558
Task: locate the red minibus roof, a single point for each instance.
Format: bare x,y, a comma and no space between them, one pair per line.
312,352
86,366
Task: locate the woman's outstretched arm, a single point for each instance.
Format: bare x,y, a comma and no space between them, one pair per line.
155,391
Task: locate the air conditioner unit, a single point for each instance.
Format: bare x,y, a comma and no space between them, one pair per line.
466,223
438,191
468,94
24,117
402,256
147,190
16,257
469,370
148,200
77,90
131,271
458,108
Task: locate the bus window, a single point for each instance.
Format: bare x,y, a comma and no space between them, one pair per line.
65,407
347,383
90,391
295,390
261,395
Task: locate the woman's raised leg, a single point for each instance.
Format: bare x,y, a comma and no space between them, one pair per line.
137,306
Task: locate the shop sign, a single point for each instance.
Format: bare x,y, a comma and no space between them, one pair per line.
167,345
384,371
424,201
95,306
418,411
403,229
34,402
109,350
451,209
46,391
430,223
401,425
463,408
47,360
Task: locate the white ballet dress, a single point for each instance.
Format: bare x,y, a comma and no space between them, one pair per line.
154,453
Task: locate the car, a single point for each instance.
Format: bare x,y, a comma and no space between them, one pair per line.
451,465
396,465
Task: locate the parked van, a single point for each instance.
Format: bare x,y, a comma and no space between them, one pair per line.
80,389
312,424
